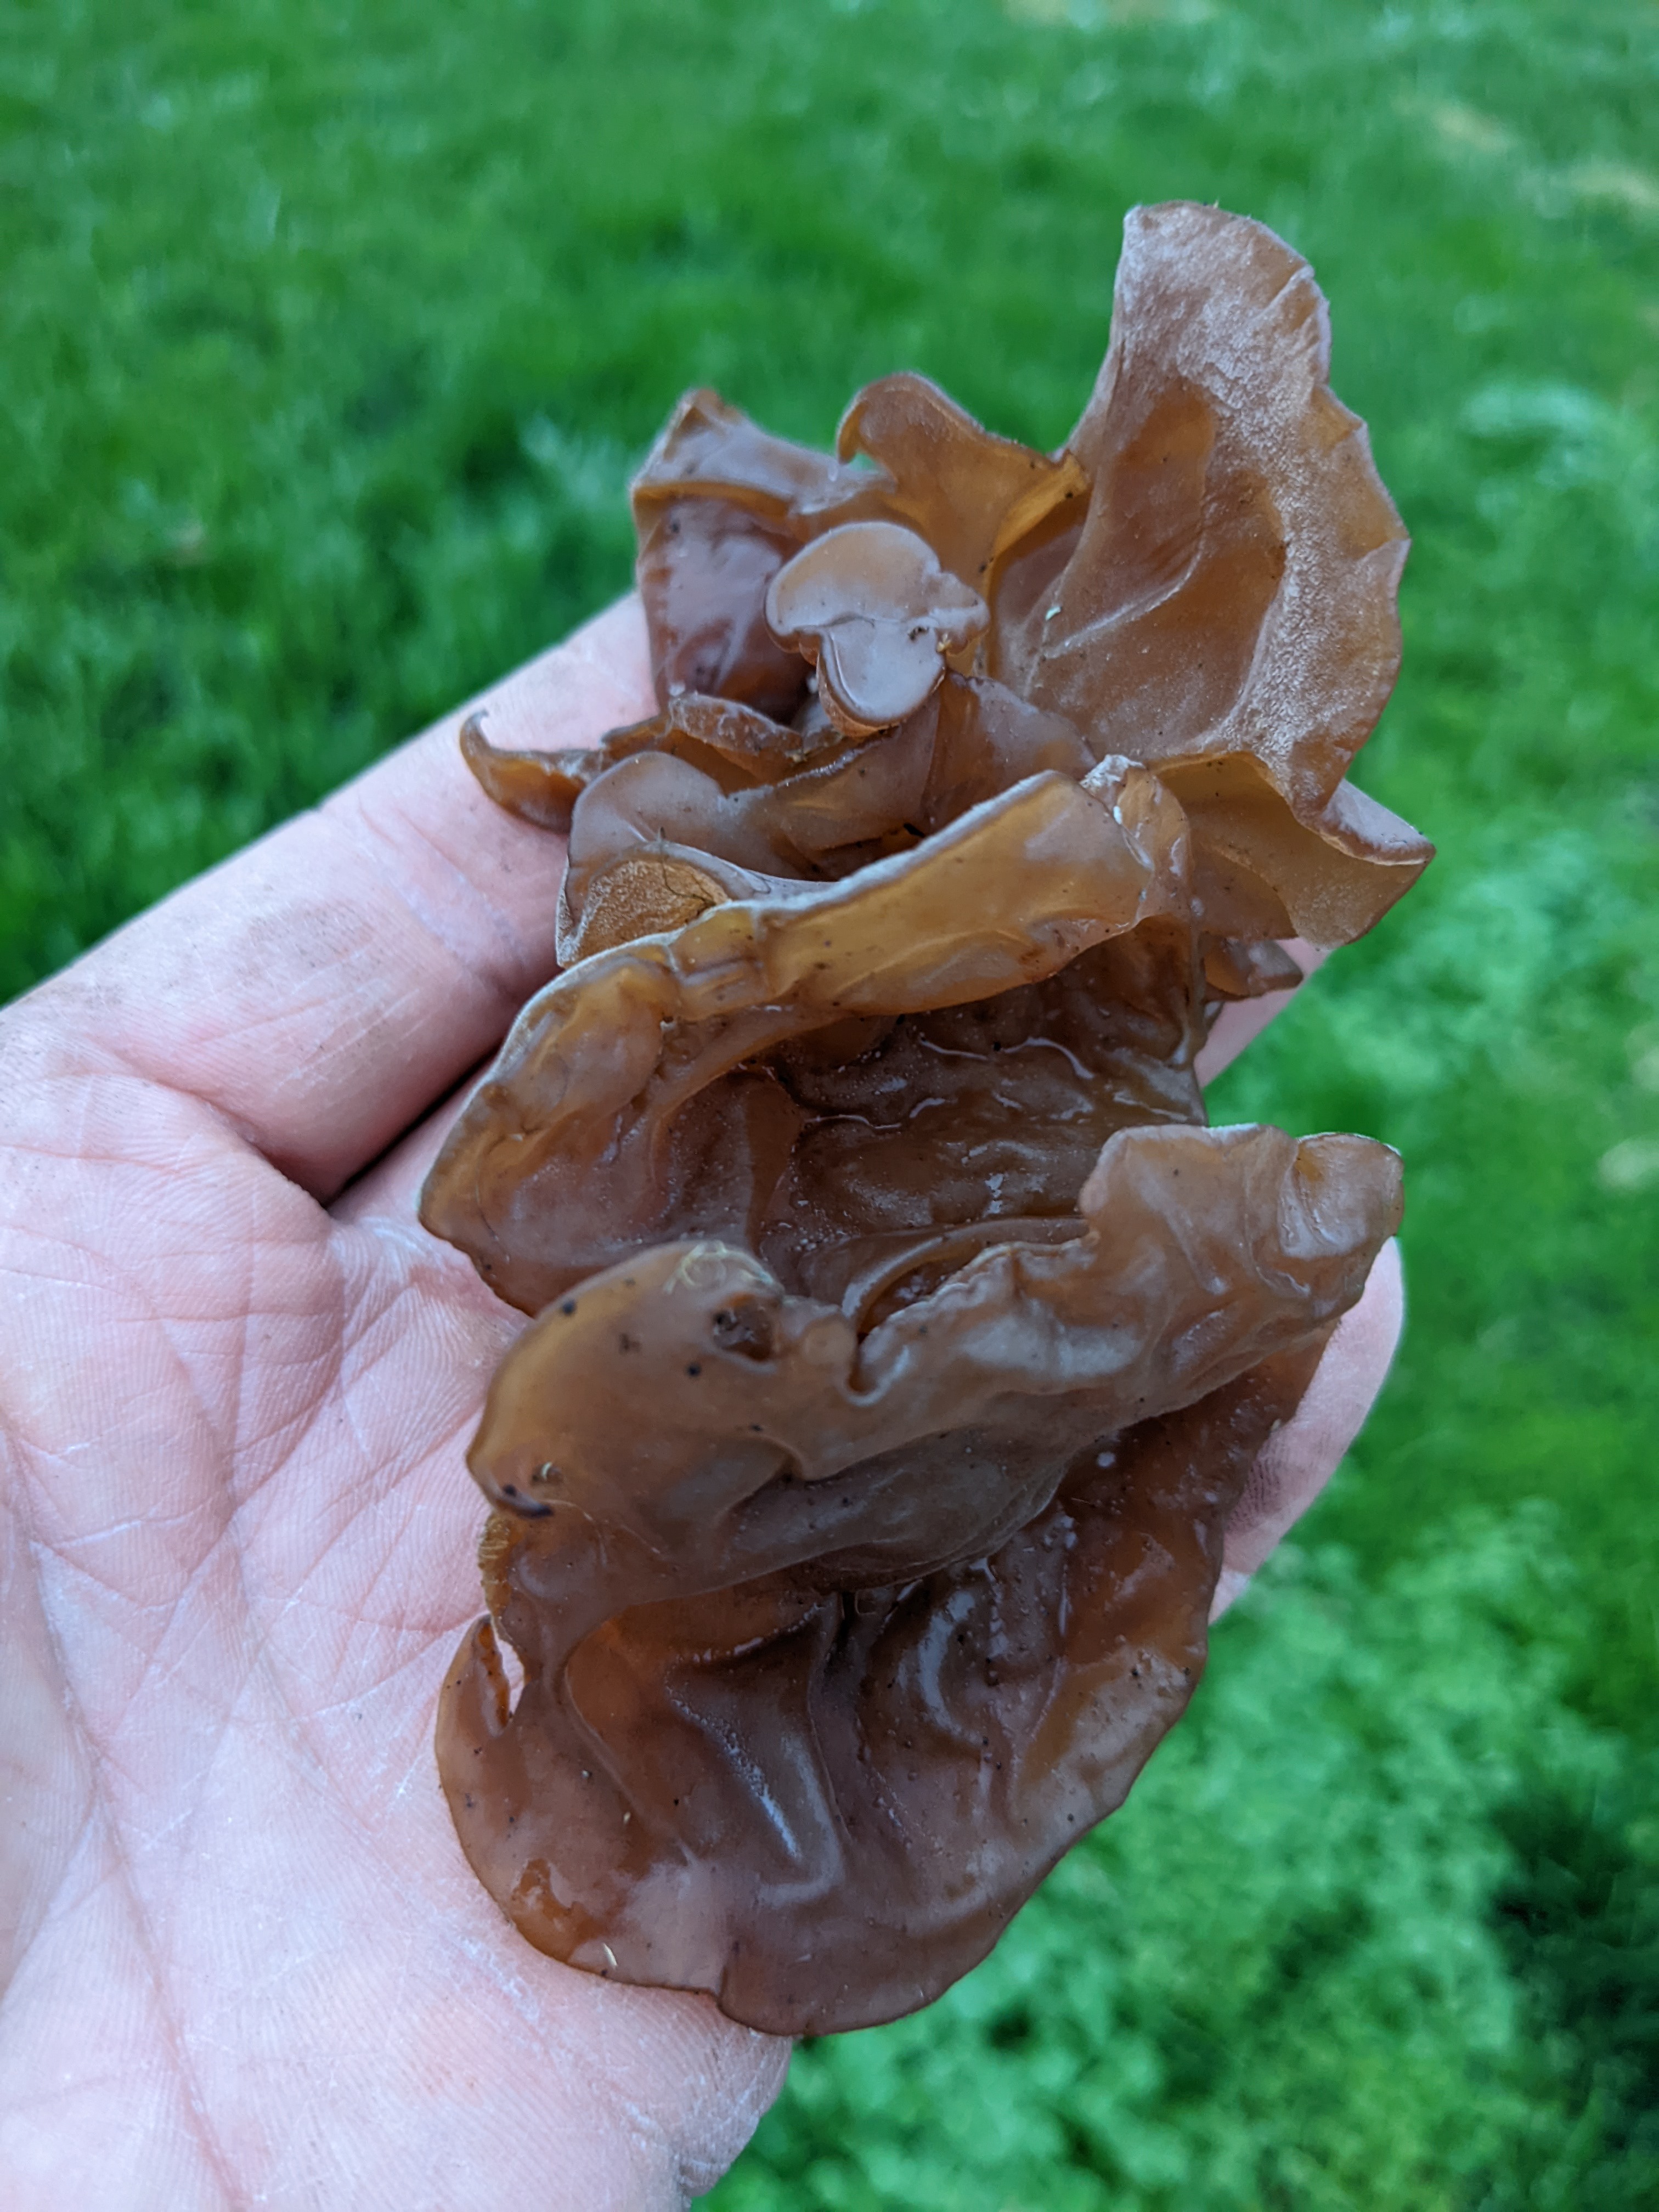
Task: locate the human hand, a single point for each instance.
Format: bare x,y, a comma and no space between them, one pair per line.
244,1961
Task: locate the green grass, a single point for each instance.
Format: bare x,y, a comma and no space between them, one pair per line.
328,335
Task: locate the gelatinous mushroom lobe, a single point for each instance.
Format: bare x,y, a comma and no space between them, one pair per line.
1262,874
712,450
848,1559
656,820
914,1758
731,745
1231,595
718,506
972,496
985,738
940,1134
703,570
872,609
1194,1254
571,1151
710,800
541,788
647,844
730,741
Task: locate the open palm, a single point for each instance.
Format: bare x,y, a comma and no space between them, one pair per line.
243,1961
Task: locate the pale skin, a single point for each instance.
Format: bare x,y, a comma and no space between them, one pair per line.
243,1961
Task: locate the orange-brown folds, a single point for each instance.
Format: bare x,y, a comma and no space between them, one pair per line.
874,612
903,1336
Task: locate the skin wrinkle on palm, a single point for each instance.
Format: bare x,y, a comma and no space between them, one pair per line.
236,1706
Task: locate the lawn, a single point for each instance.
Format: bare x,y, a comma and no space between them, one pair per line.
329,335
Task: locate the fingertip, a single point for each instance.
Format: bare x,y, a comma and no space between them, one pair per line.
1299,1459
1241,1022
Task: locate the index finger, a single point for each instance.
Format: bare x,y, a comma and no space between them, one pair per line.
1241,1023
322,989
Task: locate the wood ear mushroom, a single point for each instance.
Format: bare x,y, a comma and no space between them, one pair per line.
901,1335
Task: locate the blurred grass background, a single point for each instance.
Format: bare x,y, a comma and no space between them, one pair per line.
328,336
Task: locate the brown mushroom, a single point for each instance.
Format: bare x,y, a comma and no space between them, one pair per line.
872,608
824,818
824,1671
1235,503
972,496
720,506
642,1096
902,1339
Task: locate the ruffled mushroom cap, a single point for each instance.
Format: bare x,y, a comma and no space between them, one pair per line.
904,1339
1225,611
760,805
1223,606
972,496
824,1807
664,1088
720,506
872,609
734,743
826,1665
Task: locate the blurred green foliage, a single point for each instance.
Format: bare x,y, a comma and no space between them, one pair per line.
328,335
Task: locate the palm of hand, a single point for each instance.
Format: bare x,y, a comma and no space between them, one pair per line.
245,1961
